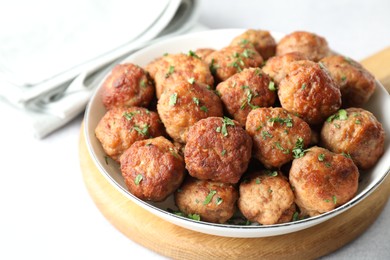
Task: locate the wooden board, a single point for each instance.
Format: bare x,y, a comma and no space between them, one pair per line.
162,237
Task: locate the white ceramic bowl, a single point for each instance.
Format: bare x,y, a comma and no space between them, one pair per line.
379,104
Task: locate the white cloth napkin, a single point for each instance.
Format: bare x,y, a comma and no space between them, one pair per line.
51,90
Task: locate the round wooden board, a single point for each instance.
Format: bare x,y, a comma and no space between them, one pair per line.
175,242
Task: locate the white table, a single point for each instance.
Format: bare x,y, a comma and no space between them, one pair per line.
46,212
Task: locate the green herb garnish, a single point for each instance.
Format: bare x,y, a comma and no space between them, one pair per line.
129,115
322,66
272,173
225,122
271,86
209,197
171,70
321,157
191,80
192,54
138,179
142,131
298,150
288,121
218,201
266,134
341,115
249,96
173,152
334,199
194,216
284,150
347,155
204,108
295,216
173,99
196,100
213,67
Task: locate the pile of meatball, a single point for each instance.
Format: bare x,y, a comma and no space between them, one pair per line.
270,131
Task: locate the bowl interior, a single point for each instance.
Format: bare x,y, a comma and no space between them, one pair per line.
369,180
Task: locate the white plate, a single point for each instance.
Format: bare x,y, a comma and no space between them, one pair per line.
379,104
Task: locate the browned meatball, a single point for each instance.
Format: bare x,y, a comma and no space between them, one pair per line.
152,169
261,40
184,104
244,91
228,61
323,181
217,149
309,91
313,46
276,66
275,134
266,197
127,85
356,84
172,68
212,201
356,132
203,52
121,127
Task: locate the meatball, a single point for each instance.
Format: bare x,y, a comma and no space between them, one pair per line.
266,197
276,66
314,47
323,181
244,91
152,169
276,135
212,201
356,132
228,61
356,84
309,91
120,127
127,85
217,149
183,104
203,52
261,40
172,68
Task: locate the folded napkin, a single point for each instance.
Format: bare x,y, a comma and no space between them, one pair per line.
50,88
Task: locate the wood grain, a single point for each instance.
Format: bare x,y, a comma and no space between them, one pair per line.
175,242
379,65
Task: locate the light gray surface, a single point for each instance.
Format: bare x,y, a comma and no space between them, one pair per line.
46,212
